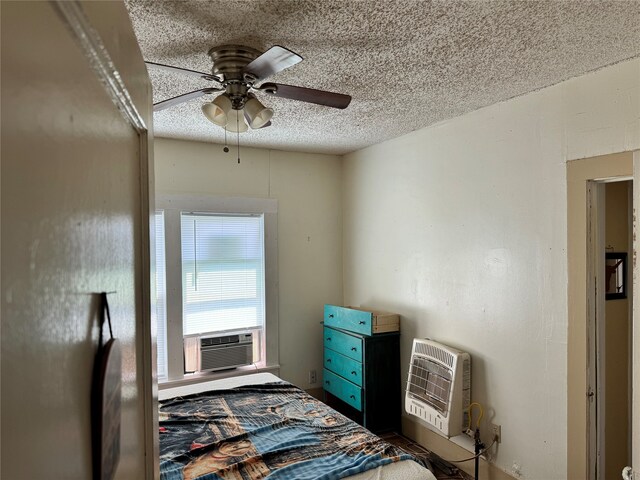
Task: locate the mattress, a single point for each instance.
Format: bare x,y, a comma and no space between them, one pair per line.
400,470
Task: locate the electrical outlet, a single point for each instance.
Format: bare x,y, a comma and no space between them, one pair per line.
496,432
312,377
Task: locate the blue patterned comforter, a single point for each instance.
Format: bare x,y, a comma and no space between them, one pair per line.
274,431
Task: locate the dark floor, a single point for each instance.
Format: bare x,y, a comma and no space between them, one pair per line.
441,469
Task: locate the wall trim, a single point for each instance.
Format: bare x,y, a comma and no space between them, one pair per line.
90,42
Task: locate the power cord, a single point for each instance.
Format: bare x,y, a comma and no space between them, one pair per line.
479,447
475,456
470,413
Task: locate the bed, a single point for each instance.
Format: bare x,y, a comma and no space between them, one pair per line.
259,426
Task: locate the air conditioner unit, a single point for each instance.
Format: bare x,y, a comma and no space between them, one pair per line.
439,386
218,352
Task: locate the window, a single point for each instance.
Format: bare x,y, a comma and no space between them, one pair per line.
222,272
161,297
216,271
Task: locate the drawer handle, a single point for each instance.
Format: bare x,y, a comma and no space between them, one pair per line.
331,315
327,382
354,349
362,322
328,339
328,360
353,373
352,396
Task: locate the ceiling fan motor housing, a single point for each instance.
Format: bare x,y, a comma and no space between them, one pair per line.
229,62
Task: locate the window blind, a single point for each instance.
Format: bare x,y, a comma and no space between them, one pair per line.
222,272
161,296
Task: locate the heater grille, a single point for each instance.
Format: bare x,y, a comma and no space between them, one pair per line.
430,382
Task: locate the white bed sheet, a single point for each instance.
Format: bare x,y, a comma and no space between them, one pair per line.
404,470
221,384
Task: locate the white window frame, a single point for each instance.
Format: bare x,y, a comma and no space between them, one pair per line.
173,205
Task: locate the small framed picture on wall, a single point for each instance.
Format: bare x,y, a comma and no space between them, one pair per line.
615,275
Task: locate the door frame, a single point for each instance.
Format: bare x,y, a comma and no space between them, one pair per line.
138,112
635,324
582,302
597,350
596,347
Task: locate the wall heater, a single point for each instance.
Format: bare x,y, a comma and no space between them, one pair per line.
439,386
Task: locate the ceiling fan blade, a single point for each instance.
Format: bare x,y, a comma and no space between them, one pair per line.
272,61
310,95
184,71
185,97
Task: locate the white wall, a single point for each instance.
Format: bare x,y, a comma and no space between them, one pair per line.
461,228
308,188
72,227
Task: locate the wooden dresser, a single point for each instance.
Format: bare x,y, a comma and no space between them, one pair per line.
361,375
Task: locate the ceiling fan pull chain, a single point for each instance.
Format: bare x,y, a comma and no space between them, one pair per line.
238,137
226,147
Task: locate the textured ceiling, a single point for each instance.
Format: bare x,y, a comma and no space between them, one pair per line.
407,64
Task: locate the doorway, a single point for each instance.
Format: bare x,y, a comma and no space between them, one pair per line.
609,249
593,363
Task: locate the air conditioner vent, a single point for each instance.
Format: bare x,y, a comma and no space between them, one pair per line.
222,340
218,352
225,357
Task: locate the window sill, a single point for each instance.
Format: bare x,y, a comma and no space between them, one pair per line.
208,376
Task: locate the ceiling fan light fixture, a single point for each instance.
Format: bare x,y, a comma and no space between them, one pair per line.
257,114
236,69
235,121
218,111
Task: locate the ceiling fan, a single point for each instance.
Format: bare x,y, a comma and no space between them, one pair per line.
236,71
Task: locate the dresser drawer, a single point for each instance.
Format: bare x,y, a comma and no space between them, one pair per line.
348,319
360,320
344,366
341,388
343,343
